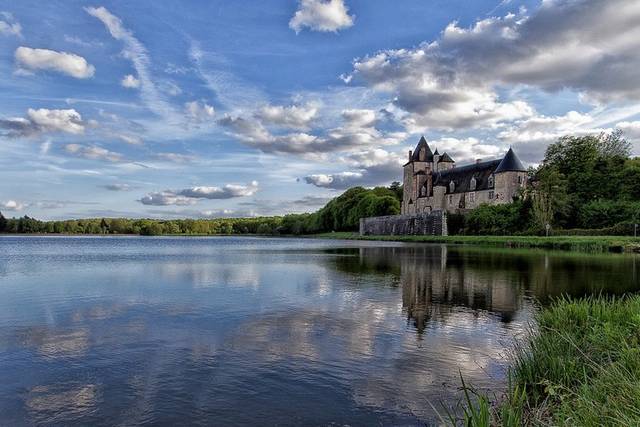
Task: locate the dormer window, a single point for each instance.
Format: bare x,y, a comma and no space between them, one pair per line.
491,181
472,184
452,187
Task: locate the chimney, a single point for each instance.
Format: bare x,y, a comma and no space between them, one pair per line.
410,154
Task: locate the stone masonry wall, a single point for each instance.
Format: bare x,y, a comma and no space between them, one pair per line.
424,224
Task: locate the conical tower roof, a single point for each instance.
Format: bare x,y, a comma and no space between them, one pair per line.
510,163
416,153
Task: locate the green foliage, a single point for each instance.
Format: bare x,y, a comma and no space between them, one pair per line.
3,223
607,213
581,366
508,219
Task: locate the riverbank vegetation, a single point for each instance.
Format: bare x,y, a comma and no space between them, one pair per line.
581,366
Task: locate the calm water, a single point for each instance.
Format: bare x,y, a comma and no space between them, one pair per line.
219,331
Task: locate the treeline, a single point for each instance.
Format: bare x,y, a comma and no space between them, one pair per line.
340,214
585,185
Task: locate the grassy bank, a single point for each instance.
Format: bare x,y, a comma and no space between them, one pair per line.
570,243
581,367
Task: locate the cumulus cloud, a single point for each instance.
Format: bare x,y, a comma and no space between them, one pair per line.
585,45
130,82
371,167
43,120
199,111
335,181
12,205
189,196
228,191
357,132
93,152
9,26
29,60
166,198
321,15
294,116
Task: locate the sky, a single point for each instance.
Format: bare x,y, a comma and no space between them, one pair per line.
208,109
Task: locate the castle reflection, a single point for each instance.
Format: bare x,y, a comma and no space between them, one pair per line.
438,280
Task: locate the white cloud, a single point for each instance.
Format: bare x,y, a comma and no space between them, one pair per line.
93,152
295,116
336,181
28,59
189,196
199,111
44,120
321,15
130,82
226,192
166,198
9,26
129,139
587,46
12,205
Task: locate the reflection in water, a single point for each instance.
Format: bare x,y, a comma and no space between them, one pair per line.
97,331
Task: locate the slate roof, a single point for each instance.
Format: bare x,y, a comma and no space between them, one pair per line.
462,175
510,162
446,158
416,153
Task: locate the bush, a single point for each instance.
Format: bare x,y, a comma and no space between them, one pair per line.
607,213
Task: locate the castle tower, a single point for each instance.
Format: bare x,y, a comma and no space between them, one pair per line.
510,177
416,173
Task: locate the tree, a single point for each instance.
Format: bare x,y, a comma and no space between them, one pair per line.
550,199
3,223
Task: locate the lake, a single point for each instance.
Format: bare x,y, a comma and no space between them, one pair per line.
260,331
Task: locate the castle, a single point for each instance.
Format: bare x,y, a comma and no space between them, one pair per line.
433,182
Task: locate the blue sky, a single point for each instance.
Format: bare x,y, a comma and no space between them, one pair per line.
219,108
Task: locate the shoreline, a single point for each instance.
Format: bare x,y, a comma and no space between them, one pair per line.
588,244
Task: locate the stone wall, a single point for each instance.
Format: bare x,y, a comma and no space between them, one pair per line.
425,224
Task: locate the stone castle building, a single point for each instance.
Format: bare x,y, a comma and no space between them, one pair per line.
434,182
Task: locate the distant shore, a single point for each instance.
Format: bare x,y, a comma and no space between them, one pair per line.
590,244
616,244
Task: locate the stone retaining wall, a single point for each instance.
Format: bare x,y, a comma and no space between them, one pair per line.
424,224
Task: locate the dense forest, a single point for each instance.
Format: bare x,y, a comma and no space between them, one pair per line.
585,185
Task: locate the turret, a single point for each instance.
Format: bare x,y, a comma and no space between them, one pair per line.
510,177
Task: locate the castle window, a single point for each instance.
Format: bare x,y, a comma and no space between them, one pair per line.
472,197
423,191
491,181
472,184
452,187
519,179
491,195
450,200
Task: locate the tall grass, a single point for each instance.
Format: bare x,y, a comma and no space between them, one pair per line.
581,367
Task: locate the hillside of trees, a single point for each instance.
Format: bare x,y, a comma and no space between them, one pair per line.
340,214
585,185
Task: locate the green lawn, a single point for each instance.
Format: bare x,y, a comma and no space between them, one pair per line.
571,243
